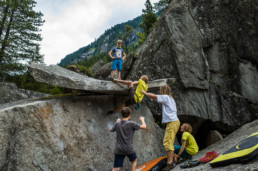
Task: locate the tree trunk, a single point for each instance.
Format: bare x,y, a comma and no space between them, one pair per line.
5,11
5,42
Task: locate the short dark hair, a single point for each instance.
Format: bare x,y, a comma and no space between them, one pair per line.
126,111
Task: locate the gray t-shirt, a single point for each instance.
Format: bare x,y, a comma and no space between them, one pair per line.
169,111
124,136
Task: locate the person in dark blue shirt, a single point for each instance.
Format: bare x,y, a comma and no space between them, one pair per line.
118,57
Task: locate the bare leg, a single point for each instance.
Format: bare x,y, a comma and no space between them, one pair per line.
129,83
115,169
118,75
170,157
133,165
113,73
174,158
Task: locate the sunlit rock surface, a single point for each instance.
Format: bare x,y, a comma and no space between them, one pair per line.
69,133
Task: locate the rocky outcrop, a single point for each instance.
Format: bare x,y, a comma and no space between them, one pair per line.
224,145
97,66
210,47
70,133
58,76
9,92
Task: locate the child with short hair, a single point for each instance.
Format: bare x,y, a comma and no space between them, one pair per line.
135,97
125,129
189,146
118,57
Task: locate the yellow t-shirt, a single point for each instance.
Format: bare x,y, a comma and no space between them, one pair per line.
191,146
138,95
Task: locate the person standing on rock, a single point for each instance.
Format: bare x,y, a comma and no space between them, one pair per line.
169,116
125,129
118,56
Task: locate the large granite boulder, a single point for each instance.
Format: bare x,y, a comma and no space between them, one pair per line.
55,75
97,66
210,47
9,92
70,133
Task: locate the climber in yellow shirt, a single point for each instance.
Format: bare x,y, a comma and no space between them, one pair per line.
189,146
135,97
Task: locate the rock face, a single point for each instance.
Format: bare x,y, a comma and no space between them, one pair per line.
96,67
210,47
55,75
69,133
9,92
224,145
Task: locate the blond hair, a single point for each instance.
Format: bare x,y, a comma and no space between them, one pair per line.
165,90
145,78
188,127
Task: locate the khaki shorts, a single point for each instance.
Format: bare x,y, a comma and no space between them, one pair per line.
170,134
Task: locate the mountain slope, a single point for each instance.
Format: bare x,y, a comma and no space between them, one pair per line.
104,43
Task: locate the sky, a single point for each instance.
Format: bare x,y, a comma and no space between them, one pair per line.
72,24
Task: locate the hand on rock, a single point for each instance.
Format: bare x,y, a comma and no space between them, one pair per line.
141,118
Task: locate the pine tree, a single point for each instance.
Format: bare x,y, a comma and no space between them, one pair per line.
148,20
19,35
127,31
161,4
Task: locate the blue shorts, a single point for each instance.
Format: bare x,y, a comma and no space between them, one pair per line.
117,63
119,159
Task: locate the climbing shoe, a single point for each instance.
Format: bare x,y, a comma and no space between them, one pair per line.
169,167
110,78
208,157
190,163
182,159
138,105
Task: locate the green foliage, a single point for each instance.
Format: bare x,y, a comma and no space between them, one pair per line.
125,36
109,37
91,61
19,35
161,4
148,20
26,81
80,69
142,37
132,47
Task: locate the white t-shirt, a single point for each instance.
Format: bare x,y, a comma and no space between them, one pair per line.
169,111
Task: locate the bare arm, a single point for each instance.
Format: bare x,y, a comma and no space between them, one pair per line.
181,150
110,54
143,125
135,82
150,95
124,56
111,129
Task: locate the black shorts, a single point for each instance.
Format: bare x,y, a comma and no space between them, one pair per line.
119,159
131,100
